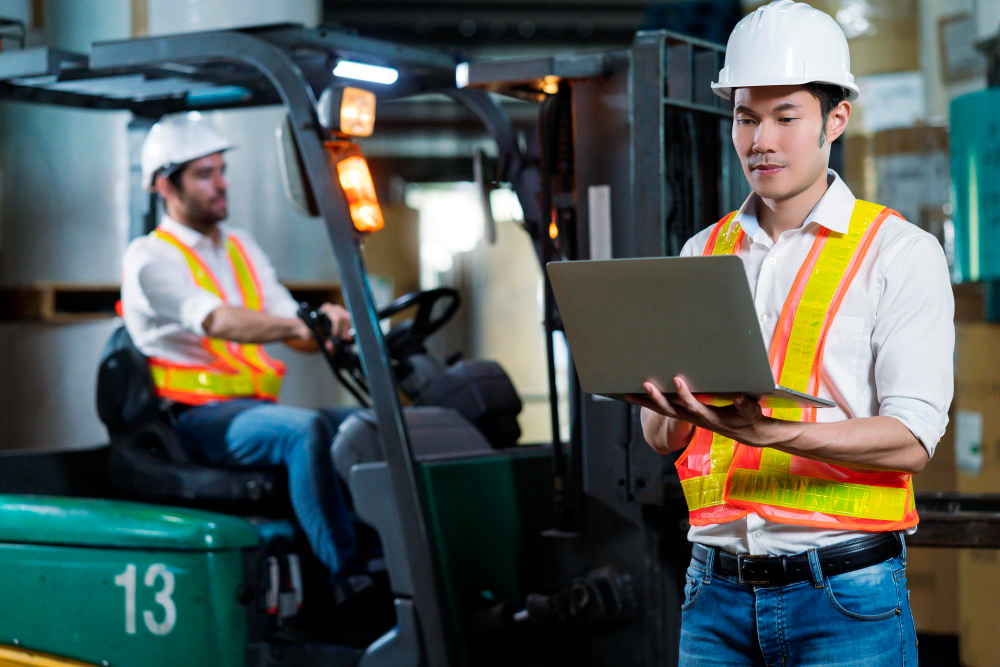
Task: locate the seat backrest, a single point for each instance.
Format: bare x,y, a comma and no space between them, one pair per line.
147,458
482,392
126,395
435,433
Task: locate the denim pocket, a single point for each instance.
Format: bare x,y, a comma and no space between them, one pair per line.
694,581
868,594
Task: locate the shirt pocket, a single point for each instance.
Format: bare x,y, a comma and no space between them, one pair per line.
841,358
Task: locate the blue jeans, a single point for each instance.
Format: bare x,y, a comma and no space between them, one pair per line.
249,432
859,618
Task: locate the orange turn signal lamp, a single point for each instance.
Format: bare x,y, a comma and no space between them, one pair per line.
356,180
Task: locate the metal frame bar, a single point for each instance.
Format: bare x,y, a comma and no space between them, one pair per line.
289,81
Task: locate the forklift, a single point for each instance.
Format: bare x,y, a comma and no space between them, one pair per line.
495,552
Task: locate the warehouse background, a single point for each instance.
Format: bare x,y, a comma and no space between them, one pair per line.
64,214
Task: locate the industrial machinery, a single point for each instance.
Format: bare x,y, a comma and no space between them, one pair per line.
562,553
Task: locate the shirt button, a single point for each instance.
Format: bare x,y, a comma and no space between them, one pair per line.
763,317
758,535
772,261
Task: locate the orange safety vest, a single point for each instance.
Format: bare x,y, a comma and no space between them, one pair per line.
724,480
239,370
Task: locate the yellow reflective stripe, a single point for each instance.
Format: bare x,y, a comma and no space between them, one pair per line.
807,325
818,495
248,287
201,277
200,381
771,460
791,414
11,656
706,490
725,242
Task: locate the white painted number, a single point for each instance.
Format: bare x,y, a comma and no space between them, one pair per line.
155,571
127,580
162,597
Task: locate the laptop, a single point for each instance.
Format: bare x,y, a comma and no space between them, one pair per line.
629,321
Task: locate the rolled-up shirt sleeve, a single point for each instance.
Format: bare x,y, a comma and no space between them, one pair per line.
914,340
170,293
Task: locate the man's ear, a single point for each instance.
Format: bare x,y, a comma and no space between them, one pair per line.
164,186
836,121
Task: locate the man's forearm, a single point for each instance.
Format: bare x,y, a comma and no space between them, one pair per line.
882,443
665,434
243,325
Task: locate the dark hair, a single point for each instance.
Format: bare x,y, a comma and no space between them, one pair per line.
172,175
828,95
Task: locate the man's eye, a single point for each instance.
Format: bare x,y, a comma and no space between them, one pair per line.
743,121
787,120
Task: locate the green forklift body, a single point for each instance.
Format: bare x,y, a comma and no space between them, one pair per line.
122,583
485,514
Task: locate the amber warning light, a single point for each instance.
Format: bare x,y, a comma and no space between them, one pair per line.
356,180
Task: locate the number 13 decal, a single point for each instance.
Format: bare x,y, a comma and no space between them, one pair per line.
162,597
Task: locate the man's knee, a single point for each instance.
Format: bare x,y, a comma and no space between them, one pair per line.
310,431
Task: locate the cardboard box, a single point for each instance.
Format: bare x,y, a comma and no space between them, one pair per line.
932,577
883,35
906,169
931,573
977,407
977,448
979,591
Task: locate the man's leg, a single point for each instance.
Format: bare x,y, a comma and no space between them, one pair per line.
718,625
257,433
859,618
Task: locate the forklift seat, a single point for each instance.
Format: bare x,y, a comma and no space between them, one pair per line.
147,458
482,392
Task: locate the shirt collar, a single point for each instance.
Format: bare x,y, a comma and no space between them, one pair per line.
185,234
832,211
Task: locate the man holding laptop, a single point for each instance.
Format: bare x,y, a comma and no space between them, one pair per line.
798,513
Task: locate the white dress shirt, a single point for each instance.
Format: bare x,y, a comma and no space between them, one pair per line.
162,306
889,351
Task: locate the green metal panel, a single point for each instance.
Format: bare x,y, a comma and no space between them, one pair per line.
975,163
484,515
123,525
76,603
125,583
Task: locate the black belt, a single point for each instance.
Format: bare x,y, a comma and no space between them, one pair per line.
784,570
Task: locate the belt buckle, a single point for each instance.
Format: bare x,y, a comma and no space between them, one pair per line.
740,558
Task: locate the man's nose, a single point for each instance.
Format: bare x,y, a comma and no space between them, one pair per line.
763,138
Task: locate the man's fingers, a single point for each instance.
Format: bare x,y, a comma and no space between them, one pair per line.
685,398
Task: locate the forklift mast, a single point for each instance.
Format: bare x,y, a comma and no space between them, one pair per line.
634,158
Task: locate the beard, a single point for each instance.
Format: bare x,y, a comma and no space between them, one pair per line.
206,213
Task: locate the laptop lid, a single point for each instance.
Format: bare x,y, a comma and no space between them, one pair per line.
632,320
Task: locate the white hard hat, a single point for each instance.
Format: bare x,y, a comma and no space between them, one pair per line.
786,43
175,140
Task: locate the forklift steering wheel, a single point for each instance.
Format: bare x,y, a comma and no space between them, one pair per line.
408,337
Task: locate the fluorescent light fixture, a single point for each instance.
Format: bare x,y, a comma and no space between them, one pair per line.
462,75
349,69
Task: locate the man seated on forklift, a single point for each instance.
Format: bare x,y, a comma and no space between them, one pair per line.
797,514
198,300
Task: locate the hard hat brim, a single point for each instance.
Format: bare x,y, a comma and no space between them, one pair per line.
725,90
168,169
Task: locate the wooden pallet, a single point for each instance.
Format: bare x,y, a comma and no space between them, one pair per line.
65,303
58,303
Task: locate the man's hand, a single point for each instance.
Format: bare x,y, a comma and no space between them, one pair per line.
340,319
743,421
